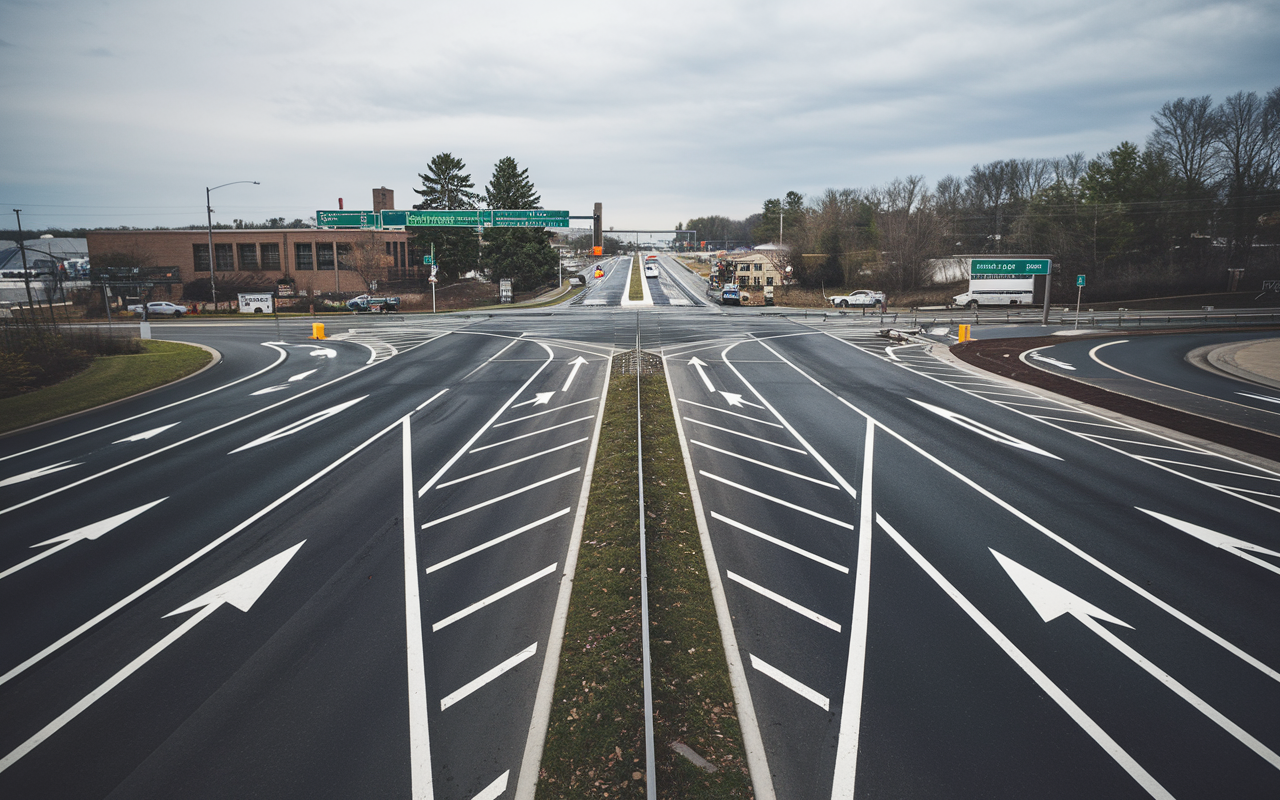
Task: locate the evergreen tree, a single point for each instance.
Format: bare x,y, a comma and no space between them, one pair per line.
446,187
510,187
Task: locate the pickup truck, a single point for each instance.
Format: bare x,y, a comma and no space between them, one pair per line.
378,305
861,297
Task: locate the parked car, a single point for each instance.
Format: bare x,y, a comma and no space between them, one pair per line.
861,297
161,308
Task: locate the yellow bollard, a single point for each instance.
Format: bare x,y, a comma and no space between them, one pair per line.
964,333
317,330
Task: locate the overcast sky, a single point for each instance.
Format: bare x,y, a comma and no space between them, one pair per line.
121,112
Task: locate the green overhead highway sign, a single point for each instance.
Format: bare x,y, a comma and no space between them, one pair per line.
1009,266
348,219
467,218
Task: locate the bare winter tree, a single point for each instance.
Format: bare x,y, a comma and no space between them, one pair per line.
1185,134
369,259
1247,153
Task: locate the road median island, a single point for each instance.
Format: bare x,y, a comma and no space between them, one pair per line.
108,379
636,291
595,740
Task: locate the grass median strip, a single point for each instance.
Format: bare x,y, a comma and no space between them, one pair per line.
595,742
109,378
636,292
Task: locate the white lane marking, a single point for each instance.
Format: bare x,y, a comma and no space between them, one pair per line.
732,413
1087,435
511,463
281,357
856,665
1240,489
527,435
692,421
499,540
499,498
548,411
1077,714
994,435
1080,422
301,375
241,591
421,777
698,364
138,437
324,352
1093,355
539,399
573,373
784,602
277,388
736,400
1052,601
791,683
765,465
495,597
779,501
494,790
88,532
1260,397
302,424
430,400
38,473
780,543
1106,570
493,357
1035,354
488,677
184,563
1234,546
1211,469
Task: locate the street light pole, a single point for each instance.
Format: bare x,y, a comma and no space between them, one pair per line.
208,207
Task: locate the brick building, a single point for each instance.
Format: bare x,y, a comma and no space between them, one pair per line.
320,259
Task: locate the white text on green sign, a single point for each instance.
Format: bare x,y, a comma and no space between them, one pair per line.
1009,266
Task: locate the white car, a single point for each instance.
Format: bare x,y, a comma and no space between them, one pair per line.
651,270
861,297
161,308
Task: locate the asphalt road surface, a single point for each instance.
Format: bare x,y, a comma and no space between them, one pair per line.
335,569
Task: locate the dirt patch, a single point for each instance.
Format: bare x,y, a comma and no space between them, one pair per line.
1001,356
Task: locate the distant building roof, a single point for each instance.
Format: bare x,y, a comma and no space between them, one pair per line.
61,248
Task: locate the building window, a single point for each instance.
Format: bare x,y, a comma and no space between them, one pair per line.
388,247
344,256
324,255
759,267
757,280
201,253
302,256
224,259
768,280
248,256
270,257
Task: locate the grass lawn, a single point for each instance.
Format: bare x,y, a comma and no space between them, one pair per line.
108,378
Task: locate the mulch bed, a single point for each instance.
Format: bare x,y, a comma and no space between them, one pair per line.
1001,356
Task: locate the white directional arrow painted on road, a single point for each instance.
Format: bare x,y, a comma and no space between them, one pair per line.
305,422
736,400
577,364
698,364
301,375
1046,359
242,592
38,473
324,352
138,437
1232,545
1052,601
984,430
278,387
539,399
93,531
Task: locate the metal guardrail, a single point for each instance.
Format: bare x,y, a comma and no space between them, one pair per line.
1119,319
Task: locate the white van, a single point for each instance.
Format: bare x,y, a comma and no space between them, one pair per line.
256,304
997,290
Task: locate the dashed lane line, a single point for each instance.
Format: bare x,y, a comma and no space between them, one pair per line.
731,454
527,435
500,498
495,541
488,677
791,683
512,463
786,603
776,541
495,597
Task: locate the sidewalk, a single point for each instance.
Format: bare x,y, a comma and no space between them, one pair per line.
1257,360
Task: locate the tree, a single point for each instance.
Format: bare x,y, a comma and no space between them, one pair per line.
1186,130
446,187
521,254
1248,141
369,260
510,187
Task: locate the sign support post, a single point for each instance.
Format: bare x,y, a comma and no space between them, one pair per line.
1079,291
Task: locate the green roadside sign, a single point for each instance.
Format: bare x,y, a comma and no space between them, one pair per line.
348,219
1009,266
1079,280
428,261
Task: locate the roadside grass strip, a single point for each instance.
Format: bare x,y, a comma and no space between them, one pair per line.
595,741
108,378
636,290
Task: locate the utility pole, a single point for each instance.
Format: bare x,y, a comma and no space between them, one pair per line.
22,250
